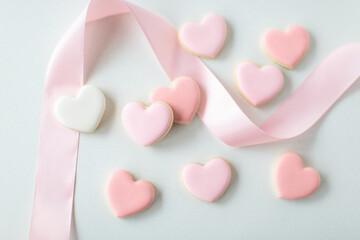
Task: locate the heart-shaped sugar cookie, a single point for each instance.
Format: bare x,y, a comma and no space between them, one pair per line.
292,180
286,48
183,98
82,113
205,39
258,85
147,125
207,182
126,196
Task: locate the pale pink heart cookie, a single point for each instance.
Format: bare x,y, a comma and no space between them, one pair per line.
207,182
147,125
292,180
205,39
126,196
258,85
286,48
183,98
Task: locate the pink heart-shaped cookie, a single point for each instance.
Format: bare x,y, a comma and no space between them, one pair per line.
183,98
207,182
127,197
147,125
258,85
286,48
204,39
292,180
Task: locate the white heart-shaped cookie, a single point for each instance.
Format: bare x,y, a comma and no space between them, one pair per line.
82,113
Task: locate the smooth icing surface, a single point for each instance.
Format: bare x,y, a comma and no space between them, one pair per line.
183,98
292,180
82,113
204,39
126,196
147,125
207,182
258,85
286,48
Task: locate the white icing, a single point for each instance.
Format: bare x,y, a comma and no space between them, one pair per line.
82,113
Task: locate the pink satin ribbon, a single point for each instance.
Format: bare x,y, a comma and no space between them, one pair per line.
56,164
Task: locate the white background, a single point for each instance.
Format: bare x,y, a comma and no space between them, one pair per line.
125,70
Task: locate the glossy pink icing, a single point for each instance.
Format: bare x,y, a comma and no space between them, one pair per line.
286,48
292,180
207,182
126,196
204,39
258,85
146,125
183,98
